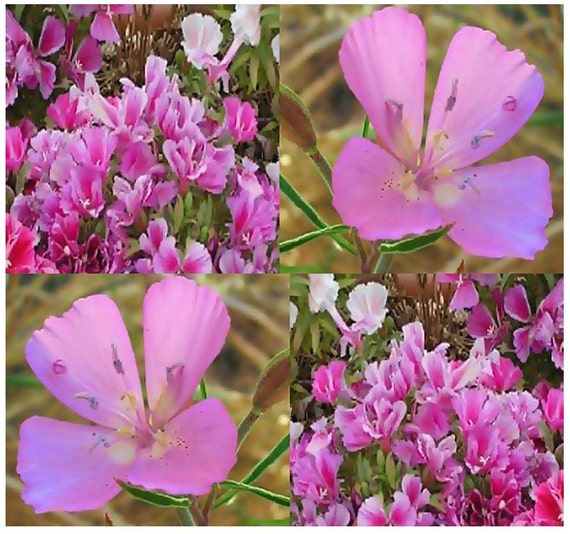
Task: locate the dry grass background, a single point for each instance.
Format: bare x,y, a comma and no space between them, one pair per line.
258,307
310,39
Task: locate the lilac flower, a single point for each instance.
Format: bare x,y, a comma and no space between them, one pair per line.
328,381
85,359
392,188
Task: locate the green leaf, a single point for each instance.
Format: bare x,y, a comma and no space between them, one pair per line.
156,499
391,470
310,213
178,214
203,389
258,469
282,500
411,244
254,70
546,435
290,244
188,202
21,380
18,11
299,269
366,127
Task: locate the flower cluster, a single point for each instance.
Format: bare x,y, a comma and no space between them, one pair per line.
420,438
148,180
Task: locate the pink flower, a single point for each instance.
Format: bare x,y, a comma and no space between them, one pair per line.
63,112
553,408
20,255
367,306
103,27
240,119
496,210
371,513
466,295
16,146
328,381
504,375
85,359
337,515
202,39
549,496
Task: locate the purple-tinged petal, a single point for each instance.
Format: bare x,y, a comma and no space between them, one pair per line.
197,259
185,327
371,513
103,28
480,322
499,210
86,360
200,450
65,466
52,37
522,342
46,78
89,57
383,58
83,10
516,304
371,192
465,296
479,119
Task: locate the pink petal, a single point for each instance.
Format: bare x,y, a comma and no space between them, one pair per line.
79,358
201,451
371,513
500,210
368,195
83,10
46,78
89,55
185,327
383,58
197,259
496,92
63,466
103,28
465,296
522,342
166,260
480,323
516,304
52,37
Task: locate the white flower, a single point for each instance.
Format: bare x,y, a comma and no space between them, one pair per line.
202,38
323,292
245,23
293,313
367,306
272,170
275,47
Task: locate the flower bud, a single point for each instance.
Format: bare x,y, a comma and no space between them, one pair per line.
273,382
295,120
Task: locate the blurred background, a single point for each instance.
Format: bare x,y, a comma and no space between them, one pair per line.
258,306
310,40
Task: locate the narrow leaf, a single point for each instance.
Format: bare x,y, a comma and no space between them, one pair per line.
282,500
156,499
305,238
411,244
203,389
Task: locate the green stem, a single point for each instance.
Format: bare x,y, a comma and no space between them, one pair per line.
323,166
246,425
383,264
185,517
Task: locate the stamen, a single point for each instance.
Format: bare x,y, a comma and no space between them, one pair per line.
451,99
117,364
510,103
100,440
395,108
467,182
476,141
58,367
129,401
93,402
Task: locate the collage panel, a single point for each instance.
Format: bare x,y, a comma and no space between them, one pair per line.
142,139
427,400
421,138
147,400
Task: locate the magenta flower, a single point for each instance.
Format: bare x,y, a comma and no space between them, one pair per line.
549,496
20,255
337,515
85,359
553,408
240,119
392,188
102,27
16,146
328,381
466,295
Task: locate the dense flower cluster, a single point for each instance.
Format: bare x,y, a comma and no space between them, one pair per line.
419,438
150,180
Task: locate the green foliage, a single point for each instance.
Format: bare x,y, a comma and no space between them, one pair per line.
281,500
155,498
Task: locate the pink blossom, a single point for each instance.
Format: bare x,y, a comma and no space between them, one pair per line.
63,112
16,146
323,292
245,22
367,306
20,255
384,62
371,513
328,381
466,295
337,515
503,376
553,408
74,467
549,496
103,28
202,39
240,119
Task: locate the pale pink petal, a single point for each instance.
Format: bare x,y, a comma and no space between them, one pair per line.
46,78
383,58
200,451
185,327
166,260
65,466
465,296
370,193
495,93
86,360
499,210
522,342
197,259
52,37
516,304
83,10
103,28
371,513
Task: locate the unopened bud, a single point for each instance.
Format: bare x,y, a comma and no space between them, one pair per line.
295,120
273,382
